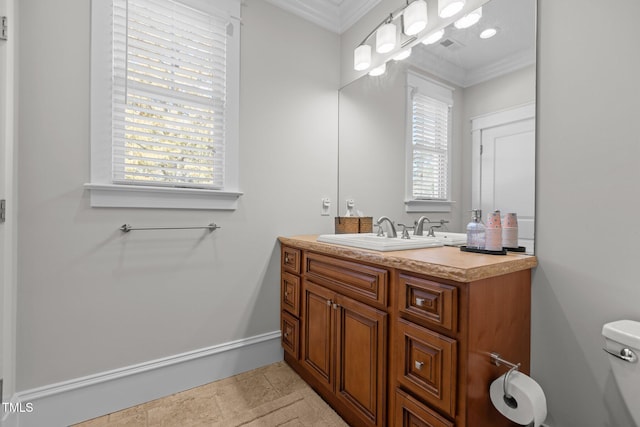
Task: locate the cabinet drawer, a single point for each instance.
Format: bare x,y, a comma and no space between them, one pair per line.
290,327
411,413
361,282
290,293
291,259
427,365
428,303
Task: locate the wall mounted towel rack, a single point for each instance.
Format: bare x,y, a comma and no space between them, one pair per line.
127,228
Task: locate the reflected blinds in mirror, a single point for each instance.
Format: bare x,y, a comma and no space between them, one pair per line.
430,144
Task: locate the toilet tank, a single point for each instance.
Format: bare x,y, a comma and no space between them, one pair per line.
624,332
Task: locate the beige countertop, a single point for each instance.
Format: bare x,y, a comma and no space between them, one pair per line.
444,262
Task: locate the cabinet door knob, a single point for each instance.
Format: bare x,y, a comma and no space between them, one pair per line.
329,302
335,306
286,258
419,302
419,364
286,294
286,334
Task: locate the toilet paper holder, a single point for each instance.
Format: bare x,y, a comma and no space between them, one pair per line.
497,360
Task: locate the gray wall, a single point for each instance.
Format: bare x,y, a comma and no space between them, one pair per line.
507,91
91,299
587,202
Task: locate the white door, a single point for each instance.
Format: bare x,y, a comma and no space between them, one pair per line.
507,169
3,180
7,228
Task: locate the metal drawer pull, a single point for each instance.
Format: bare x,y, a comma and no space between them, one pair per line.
419,302
286,334
419,365
625,354
286,258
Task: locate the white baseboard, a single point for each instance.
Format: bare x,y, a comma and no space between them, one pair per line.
89,397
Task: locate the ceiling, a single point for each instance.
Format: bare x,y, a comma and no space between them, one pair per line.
334,15
467,59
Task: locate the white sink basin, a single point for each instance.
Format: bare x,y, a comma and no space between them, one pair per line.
373,242
451,239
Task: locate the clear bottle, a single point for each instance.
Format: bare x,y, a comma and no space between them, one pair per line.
476,231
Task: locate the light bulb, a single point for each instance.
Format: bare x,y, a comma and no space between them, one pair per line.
469,20
433,38
403,54
448,8
488,33
378,71
415,17
386,38
362,57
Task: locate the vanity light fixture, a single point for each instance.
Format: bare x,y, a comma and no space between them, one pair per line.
386,37
469,19
414,17
414,20
433,38
488,33
403,54
378,71
448,8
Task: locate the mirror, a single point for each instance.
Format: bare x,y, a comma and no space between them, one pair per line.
493,85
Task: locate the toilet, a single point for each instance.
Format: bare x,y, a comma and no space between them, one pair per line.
623,345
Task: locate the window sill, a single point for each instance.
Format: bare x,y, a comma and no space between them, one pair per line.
428,205
129,196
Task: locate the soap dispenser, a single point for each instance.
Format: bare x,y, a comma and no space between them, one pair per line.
476,231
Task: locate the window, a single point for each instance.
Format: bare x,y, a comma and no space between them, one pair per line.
428,145
165,103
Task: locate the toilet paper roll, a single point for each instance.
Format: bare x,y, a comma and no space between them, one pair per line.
529,397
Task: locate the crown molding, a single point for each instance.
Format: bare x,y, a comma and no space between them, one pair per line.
460,77
334,15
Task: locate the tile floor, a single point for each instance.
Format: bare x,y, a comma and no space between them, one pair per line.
270,396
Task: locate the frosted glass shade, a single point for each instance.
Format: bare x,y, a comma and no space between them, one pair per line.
433,38
378,71
362,57
448,8
403,54
488,33
386,38
469,20
415,17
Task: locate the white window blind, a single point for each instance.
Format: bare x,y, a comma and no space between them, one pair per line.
430,140
168,94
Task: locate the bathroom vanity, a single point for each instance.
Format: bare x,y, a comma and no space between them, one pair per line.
404,338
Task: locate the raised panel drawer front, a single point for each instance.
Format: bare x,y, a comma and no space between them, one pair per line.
291,259
361,282
427,365
290,293
428,303
411,413
290,327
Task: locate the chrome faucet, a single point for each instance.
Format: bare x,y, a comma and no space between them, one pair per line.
419,229
392,229
419,226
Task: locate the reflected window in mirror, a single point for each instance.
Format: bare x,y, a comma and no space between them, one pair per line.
429,105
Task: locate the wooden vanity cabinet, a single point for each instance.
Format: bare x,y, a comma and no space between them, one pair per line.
343,333
389,346
444,334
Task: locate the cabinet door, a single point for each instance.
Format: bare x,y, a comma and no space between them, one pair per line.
361,337
317,346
